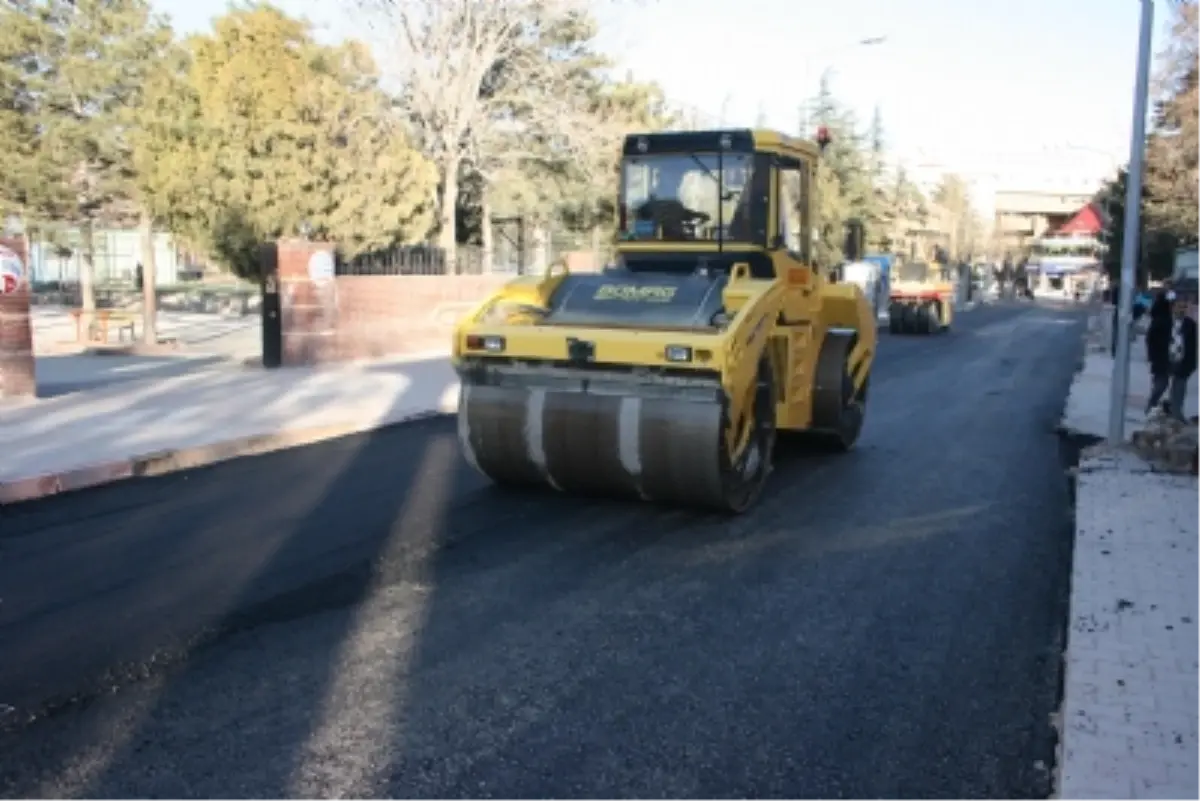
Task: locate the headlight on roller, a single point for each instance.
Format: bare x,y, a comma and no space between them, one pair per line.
491,344
678,353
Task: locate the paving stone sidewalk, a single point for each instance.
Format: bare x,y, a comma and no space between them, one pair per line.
1129,716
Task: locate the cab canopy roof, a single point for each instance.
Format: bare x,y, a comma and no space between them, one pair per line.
732,140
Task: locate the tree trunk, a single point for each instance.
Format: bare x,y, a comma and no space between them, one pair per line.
87,282
149,283
87,270
541,241
448,233
487,237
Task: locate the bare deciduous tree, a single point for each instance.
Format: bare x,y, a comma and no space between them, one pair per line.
1172,180
488,83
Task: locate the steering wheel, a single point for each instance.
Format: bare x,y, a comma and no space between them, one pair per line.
694,219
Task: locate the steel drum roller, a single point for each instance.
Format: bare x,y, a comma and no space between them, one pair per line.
666,447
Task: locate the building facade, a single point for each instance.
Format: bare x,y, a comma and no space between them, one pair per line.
117,253
1022,217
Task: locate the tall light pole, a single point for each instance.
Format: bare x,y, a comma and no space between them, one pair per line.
1133,213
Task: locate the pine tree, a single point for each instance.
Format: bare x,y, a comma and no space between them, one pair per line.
271,131
71,101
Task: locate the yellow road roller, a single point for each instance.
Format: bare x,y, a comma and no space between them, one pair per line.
921,300
666,375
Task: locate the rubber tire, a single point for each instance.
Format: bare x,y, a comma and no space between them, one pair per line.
933,318
922,319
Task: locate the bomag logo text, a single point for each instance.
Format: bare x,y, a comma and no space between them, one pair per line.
636,294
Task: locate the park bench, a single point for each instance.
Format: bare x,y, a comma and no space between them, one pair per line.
104,320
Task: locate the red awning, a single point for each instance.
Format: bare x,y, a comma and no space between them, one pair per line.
1087,221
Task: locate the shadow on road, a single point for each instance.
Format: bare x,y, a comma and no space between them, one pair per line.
227,564
397,588
67,374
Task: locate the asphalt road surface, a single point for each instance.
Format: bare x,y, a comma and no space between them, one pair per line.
368,617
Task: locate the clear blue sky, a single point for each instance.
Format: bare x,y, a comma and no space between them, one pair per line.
1000,87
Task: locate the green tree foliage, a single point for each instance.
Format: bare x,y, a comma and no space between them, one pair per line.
846,187
239,136
1156,247
1172,178
75,68
24,33
901,205
1170,194
268,131
855,182
878,216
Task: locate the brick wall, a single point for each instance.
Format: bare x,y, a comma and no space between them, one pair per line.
386,315
17,376
367,316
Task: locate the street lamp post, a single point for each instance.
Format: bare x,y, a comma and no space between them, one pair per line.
1133,213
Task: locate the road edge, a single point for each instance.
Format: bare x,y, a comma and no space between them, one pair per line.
1071,446
158,463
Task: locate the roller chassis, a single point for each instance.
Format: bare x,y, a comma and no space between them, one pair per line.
669,376
643,432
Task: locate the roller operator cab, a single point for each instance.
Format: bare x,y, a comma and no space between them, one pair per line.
667,375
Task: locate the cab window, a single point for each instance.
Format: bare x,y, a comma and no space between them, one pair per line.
794,222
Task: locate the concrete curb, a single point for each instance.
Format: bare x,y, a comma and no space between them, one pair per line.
171,461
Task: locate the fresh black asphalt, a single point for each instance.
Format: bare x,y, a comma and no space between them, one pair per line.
368,617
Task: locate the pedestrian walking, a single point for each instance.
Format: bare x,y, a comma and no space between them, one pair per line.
1158,348
1182,355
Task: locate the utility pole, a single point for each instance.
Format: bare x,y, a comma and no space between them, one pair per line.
1133,213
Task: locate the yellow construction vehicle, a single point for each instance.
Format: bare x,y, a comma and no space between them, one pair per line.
667,375
921,299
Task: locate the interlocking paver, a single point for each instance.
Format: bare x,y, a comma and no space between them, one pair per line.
1129,713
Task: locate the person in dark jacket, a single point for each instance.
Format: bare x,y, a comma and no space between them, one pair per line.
1158,348
1182,355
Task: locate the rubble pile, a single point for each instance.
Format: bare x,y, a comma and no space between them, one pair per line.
1168,445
